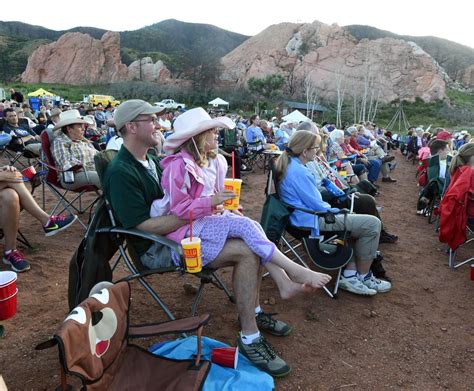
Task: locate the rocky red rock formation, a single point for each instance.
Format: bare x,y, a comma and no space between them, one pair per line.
145,70
77,58
327,58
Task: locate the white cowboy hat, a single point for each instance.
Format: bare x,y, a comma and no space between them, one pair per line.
190,124
68,118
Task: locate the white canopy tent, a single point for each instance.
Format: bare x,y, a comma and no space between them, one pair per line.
218,102
295,116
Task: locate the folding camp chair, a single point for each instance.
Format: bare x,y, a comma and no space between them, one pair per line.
329,252
131,259
20,237
15,151
95,346
253,155
54,184
452,263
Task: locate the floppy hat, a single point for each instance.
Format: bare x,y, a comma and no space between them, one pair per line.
131,109
190,124
68,118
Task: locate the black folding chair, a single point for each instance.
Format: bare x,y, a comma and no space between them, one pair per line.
127,253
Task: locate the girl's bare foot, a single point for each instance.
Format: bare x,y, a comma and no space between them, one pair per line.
292,289
309,278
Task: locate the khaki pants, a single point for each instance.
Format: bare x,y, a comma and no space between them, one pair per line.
365,229
34,148
81,178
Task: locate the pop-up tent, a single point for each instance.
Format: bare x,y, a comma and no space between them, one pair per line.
41,92
218,102
295,116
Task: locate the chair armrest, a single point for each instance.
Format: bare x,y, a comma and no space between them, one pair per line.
184,325
145,235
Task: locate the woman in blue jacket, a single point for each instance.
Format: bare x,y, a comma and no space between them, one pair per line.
297,187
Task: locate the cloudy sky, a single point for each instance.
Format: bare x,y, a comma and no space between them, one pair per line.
451,20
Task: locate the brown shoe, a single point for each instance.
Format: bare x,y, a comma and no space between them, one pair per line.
389,180
387,159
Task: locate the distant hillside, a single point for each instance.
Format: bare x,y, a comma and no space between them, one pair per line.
180,45
452,56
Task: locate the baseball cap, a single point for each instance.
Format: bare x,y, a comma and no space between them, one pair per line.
131,109
444,135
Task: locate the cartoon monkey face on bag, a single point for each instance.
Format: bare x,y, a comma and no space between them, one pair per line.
93,333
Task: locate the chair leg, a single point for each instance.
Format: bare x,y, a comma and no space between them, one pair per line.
23,240
145,284
197,298
294,252
222,286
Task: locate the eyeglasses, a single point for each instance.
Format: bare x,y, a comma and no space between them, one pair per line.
315,148
153,120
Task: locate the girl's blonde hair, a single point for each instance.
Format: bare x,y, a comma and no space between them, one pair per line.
462,158
196,147
299,141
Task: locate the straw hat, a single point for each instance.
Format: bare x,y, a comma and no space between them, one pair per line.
69,117
190,124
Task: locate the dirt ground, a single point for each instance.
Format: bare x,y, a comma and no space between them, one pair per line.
419,336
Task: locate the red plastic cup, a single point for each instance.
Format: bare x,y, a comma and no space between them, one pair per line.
472,272
29,172
8,307
7,284
226,357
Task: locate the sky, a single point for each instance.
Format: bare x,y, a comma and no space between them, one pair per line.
450,20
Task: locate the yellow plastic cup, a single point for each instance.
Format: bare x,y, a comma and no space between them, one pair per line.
192,254
343,173
234,185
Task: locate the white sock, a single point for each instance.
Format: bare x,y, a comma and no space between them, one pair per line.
347,273
8,252
258,310
248,339
362,276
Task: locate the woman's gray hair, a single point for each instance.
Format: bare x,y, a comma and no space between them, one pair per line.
335,134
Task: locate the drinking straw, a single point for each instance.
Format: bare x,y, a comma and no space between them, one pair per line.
233,165
191,225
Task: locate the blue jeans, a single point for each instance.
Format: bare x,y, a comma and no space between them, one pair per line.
5,139
374,169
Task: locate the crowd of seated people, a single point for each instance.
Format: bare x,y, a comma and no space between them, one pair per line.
353,159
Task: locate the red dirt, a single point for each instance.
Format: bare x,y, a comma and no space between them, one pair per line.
419,336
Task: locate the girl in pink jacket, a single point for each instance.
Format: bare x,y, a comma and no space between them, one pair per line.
193,179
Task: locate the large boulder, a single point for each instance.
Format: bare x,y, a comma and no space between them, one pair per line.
326,57
145,70
77,58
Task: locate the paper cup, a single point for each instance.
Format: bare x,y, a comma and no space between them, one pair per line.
226,357
192,254
234,185
29,172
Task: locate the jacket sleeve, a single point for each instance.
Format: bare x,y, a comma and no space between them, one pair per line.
178,183
305,186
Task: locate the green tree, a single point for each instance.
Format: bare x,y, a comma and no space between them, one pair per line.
269,87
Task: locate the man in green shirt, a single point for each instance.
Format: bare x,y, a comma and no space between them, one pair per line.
132,183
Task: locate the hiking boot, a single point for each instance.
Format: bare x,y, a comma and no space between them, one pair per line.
354,285
387,159
385,237
261,354
58,223
380,286
17,261
266,322
389,180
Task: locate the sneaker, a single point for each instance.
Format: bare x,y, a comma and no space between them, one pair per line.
266,322
261,354
385,237
58,223
354,285
387,159
17,261
380,286
389,180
